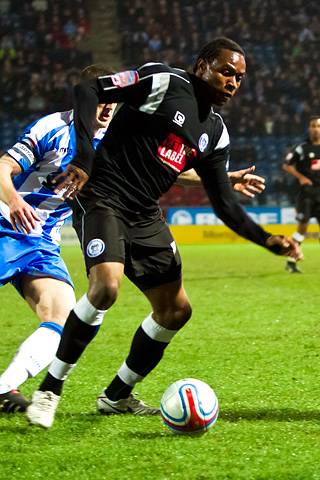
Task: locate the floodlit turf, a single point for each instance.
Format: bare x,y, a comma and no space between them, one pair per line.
254,337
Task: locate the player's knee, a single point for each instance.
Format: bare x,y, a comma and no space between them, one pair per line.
175,316
102,294
47,312
53,315
180,316
44,312
184,314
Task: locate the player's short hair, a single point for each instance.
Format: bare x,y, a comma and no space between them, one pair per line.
314,117
96,70
211,50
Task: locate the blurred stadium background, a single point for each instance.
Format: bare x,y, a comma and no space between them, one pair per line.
45,43
255,337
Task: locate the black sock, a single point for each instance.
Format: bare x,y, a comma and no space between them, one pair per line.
75,337
144,356
118,389
51,384
145,353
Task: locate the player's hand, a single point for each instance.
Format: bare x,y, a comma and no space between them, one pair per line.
23,217
284,246
245,182
70,182
305,182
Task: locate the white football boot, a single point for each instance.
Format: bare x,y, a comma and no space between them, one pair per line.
42,409
128,405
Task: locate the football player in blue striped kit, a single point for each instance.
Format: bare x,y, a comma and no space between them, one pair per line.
31,216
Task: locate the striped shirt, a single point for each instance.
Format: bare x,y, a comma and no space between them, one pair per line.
44,150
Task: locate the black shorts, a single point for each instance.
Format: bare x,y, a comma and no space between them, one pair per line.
144,245
308,204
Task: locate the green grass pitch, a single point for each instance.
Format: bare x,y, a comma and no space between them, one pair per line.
254,337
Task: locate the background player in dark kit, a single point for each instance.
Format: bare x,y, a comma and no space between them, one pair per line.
303,162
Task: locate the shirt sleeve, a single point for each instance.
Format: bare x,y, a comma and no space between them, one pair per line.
28,149
224,202
293,155
130,87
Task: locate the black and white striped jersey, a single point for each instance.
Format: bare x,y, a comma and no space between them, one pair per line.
164,127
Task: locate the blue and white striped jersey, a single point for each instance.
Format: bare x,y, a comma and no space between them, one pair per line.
45,149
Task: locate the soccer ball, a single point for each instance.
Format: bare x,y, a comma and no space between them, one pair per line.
189,406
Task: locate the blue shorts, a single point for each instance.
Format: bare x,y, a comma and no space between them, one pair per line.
22,255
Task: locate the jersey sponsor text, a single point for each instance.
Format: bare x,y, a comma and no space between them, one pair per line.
175,153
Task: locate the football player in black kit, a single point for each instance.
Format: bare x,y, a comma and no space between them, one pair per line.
166,126
303,162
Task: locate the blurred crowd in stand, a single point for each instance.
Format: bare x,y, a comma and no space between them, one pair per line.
281,39
41,56
39,59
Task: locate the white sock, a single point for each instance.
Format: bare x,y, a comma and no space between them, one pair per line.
87,312
291,260
33,355
156,331
128,376
59,369
298,237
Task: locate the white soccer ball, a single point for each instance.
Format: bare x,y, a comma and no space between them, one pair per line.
189,406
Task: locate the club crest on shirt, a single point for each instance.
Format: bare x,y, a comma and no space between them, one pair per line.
179,118
124,79
203,142
174,152
95,247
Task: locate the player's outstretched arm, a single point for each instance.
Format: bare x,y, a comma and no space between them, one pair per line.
22,216
285,246
246,182
70,182
189,179
121,87
243,181
229,210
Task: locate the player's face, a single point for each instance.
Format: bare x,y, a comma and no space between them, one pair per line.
224,75
104,114
314,130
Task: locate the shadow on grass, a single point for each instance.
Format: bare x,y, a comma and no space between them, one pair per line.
234,275
153,432
272,415
143,435
16,429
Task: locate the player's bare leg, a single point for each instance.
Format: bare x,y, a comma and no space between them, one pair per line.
51,300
